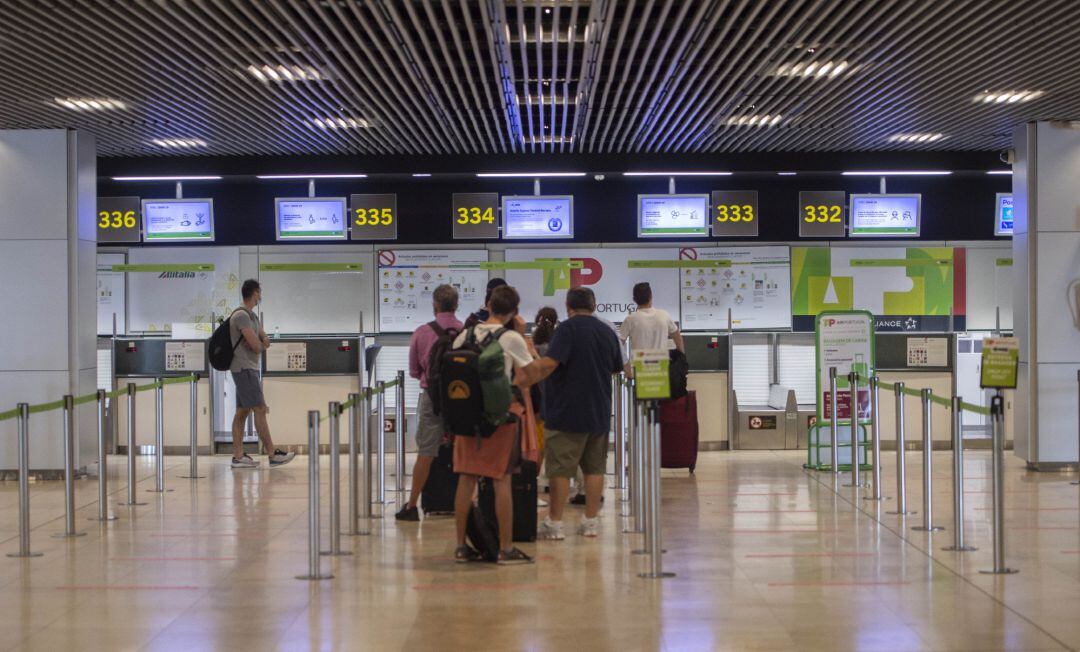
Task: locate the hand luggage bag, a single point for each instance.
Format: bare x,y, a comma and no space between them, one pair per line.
679,432
438,494
524,494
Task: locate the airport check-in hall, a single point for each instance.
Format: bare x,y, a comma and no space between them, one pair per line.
540,325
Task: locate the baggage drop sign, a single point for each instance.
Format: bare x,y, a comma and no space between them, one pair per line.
845,340
651,379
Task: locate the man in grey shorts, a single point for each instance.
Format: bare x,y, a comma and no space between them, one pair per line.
429,426
251,340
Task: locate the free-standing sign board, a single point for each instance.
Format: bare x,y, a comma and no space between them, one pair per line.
373,217
822,214
1000,358
734,213
845,340
651,379
476,215
119,219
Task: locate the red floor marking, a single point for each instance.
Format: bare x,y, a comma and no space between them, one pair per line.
1044,527
173,558
252,515
783,531
193,535
126,587
484,587
737,493
1070,552
839,583
1032,509
785,555
769,511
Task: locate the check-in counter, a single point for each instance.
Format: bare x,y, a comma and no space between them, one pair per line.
707,354
920,361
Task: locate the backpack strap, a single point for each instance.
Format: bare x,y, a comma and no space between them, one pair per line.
438,330
495,335
241,338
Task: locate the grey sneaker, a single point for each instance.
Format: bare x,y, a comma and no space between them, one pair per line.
280,457
589,527
550,530
513,556
244,462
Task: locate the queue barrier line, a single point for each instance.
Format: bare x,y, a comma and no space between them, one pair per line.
940,400
91,398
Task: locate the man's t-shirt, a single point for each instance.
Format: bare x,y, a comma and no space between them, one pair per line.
648,328
515,350
243,357
577,396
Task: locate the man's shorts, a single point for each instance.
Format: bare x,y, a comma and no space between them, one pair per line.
564,452
249,393
429,427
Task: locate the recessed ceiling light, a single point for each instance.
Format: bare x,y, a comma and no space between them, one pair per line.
999,171
755,120
916,138
529,175
786,174
283,73
828,68
179,143
310,176
676,174
896,173
89,103
180,178
340,123
421,174
1007,97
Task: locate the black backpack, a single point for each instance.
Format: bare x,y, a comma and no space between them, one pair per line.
474,391
221,347
444,343
678,370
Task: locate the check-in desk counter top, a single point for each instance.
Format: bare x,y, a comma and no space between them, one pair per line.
141,359
707,354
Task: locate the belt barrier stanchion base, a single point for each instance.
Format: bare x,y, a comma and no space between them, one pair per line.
24,484
654,534
901,449
997,420
928,466
314,558
193,469
335,550
103,462
69,472
958,479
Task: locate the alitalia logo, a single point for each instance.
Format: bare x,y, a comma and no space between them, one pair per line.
177,275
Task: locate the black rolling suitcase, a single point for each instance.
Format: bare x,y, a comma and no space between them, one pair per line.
438,494
523,491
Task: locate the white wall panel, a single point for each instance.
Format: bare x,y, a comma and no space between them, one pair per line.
33,182
35,319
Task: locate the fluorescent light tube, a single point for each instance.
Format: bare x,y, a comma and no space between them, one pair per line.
528,175
896,173
310,176
676,174
192,178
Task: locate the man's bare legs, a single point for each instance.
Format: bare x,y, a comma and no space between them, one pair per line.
262,427
421,470
462,503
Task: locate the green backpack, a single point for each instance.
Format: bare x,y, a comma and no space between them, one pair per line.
476,393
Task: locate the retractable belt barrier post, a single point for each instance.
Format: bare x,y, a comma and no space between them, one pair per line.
633,477
901,448
193,470
1078,429
24,483
616,395
626,402
834,429
102,460
853,410
354,462
314,570
654,535
958,477
380,442
365,455
399,436
159,438
637,487
875,441
69,470
131,446
334,410
997,421
928,466
644,480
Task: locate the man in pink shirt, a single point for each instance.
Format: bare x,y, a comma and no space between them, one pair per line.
429,426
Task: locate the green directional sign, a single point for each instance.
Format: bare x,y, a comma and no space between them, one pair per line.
651,375
1000,358
534,264
900,262
676,264
196,267
311,267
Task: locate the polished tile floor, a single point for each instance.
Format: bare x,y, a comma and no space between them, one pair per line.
767,555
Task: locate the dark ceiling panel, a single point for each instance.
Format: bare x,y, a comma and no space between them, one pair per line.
495,77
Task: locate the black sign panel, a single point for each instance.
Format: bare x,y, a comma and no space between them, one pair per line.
734,213
822,213
476,215
373,217
119,219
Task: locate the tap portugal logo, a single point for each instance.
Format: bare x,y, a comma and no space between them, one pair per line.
563,279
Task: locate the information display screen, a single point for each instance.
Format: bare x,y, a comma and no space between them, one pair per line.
550,216
177,220
310,218
1003,214
673,216
885,215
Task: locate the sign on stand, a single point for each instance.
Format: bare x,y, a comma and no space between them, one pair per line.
845,340
1000,358
651,379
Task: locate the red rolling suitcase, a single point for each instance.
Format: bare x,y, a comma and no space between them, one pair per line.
679,432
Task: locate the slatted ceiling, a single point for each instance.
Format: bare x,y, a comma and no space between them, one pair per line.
427,77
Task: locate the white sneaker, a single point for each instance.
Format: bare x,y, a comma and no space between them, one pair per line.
550,530
244,462
590,527
280,457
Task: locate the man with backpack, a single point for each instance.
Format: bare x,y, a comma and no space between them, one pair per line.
480,409
249,340
426,347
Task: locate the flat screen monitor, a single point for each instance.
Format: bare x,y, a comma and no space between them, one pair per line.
538,216
178,220
895,216
310,218
672,216
1003,214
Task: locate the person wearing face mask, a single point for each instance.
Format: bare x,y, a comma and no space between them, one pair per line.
250,340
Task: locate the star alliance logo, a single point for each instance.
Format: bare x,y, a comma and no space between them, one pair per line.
910,324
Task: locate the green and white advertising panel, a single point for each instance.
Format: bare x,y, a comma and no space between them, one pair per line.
1000,359
651,378
905,288
844,341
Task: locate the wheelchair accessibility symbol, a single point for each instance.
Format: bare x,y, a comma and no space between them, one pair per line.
554,225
